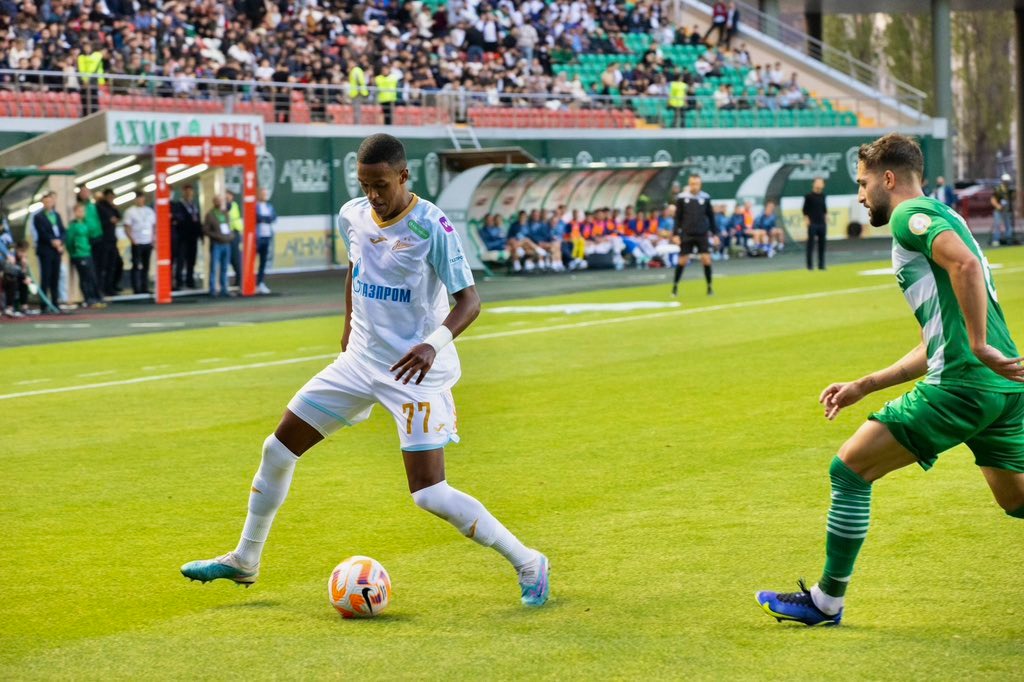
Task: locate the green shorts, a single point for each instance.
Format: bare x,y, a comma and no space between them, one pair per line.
931,419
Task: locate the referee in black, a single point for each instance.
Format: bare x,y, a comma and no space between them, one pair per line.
816,217
694,220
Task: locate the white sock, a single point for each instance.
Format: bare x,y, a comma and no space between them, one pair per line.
825,603
269,488
473,520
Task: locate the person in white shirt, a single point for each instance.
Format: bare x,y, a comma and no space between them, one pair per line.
405,258
140,225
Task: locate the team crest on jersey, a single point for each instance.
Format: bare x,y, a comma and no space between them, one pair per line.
417,230
919,223
401,246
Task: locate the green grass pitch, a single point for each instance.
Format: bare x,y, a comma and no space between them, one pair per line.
668,462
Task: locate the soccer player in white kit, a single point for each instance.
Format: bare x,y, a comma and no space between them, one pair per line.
404,259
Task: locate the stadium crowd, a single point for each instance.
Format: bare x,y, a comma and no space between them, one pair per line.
562,240
497,52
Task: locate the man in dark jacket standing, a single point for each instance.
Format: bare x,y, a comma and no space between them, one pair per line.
109,266
695,218
816,219
186,232
49,229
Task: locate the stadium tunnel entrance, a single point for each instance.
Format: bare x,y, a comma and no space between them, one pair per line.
115,150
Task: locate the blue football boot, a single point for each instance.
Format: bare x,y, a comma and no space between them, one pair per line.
224,567
796,606
533,581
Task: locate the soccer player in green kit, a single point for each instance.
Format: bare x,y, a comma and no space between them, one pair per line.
972,389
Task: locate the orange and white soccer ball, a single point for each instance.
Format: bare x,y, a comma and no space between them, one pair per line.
359,587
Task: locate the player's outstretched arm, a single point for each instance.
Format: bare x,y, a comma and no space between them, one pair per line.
420,358
968,279
843,394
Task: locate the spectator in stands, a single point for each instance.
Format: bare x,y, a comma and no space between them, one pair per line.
723,98
766,102
50,233
743,56
90,65
186,233
611,78
753,78
944,192
387,92
776,76
732,23
217,228
816,218
109,266
677,100
792,98
719,15
140,226
80,253
266,220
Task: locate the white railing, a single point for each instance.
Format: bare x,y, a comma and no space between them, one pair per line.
53,94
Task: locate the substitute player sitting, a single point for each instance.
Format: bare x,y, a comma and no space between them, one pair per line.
972,387
404,260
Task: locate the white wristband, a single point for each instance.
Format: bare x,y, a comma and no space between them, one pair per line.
439,338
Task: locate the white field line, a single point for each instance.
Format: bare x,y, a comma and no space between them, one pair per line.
465,339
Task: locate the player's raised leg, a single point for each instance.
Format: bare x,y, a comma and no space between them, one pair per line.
281,451
1008,489
431,492
869,454
337,396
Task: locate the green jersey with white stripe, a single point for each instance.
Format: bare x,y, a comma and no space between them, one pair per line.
929,291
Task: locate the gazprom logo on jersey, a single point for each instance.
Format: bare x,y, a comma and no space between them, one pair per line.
377,292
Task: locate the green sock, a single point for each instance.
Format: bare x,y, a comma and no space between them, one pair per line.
848,519
1017,513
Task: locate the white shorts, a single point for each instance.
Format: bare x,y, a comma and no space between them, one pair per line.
344,393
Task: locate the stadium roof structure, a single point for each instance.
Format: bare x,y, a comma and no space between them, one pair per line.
9,177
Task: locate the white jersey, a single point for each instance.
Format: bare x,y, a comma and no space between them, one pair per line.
402,273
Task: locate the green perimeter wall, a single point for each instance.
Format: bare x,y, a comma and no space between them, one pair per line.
311,175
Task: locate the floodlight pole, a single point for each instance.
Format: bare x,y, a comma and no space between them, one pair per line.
942,59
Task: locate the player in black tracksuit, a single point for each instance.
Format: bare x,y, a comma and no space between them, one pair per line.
694,220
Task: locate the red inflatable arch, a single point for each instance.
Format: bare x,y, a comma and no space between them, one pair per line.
214,152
